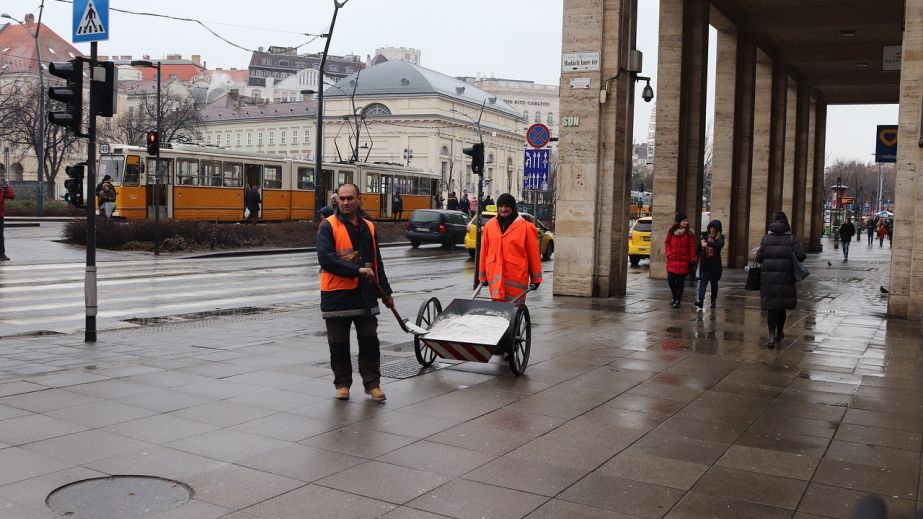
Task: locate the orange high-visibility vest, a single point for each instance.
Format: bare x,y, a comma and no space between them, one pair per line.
343,245
510,260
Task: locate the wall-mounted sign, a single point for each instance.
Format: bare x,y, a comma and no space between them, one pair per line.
891,57
579,83
573,61
886,143
571,121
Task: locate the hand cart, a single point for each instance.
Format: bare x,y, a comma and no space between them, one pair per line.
515,343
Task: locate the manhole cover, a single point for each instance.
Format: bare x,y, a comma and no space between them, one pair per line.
118,497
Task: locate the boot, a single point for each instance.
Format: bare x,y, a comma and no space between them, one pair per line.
714,302
772,342
700,303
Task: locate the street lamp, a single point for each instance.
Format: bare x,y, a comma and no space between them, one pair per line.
157,172
408,155
40,149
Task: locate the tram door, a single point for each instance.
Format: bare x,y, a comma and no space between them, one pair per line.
325,184
163,202
387,188
253,176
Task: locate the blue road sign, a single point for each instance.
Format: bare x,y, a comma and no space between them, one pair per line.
535,171
886,143
91,21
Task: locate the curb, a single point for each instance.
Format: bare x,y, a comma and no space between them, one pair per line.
268,252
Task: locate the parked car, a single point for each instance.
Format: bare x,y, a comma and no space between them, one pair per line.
436,226
639,240
545,236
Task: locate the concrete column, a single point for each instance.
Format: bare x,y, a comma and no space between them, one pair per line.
777,134
817,187
682,74
906,298
594,162
800,162
788,175
722,164
739,226
760,188
809,174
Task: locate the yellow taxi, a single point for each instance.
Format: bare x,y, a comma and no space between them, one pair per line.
545,236
639,240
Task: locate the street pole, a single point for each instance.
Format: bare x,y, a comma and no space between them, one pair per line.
879,187
319,194
157,166
40,204
90,277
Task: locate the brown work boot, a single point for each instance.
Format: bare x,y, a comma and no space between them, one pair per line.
377,394
342,393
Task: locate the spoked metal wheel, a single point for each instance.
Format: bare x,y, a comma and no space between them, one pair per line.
425,318
521,337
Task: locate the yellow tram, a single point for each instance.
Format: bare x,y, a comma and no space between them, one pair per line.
208,183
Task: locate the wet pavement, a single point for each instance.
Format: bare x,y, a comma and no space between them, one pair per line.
628,408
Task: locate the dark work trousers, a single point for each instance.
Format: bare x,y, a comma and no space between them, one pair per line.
776,322
369,355
2,246
845,244
871,238
714,289
677,283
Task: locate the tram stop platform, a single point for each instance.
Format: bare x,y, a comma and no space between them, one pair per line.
628,408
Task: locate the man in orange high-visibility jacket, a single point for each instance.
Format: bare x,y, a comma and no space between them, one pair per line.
351,266
509,252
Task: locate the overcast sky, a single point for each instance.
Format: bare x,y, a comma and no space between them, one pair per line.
517,39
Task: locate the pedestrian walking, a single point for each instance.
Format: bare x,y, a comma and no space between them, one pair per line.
99,189
464,204
253,201
777,284
680,251
882,232
351,267
870,231
107,197
7,194
510,258
710,260
847,231
452,204
397,206
473,205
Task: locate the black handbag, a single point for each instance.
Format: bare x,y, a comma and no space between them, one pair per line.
798,270
754,273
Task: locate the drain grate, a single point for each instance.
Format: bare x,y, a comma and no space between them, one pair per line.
118,497
395,367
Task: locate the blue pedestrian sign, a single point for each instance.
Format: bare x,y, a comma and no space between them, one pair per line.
91,20
535,171
886,144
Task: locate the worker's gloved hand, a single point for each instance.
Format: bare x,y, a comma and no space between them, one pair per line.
535,286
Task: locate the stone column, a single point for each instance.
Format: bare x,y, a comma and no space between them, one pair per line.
739,226
809,174
906,298
800,162
722,160
594,162
760,188
777,134
817,187
682,74
788,175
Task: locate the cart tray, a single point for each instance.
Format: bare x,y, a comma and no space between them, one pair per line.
470,330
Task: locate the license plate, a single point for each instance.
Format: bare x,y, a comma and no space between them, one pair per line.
645,238
422,229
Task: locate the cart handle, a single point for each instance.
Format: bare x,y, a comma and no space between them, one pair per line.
528,289
477,290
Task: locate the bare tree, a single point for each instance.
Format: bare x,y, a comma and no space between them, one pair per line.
181,121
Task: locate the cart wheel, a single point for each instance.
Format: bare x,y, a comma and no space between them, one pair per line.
425,317
521,333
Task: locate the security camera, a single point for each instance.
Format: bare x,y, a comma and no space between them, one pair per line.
648,93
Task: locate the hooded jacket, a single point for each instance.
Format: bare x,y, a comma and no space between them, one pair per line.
777,283
680,250
509,258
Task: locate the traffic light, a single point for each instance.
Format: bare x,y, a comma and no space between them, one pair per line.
74,185
71,94
476,152
104,94
153,143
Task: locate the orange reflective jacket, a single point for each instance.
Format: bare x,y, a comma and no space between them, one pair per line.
343,247
509,260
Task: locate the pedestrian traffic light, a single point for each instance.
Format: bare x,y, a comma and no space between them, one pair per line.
71,94
476,152
74,185
153,143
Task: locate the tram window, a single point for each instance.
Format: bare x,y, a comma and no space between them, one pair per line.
233,174
272,177
187,172
166,170
305,178
372,183
344,177
210,173
132,171
111,165
423,186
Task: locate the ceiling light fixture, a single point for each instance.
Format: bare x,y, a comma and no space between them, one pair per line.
848,33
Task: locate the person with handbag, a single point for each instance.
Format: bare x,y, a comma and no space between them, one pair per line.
778,252
679,246
710,260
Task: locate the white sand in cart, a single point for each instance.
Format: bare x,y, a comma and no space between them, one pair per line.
475,329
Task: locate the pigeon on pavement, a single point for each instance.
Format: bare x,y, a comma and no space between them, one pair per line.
883,290
829,264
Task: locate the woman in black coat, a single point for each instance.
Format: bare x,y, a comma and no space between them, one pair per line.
777,283
710,257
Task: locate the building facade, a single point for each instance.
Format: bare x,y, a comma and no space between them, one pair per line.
399,54
536,102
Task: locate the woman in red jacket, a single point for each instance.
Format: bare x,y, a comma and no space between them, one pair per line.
680,251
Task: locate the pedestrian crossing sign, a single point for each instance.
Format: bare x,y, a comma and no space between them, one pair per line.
91,20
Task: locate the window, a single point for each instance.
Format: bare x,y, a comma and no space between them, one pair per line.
282,137
272,177
166,168
227,139
444,150
525,115
445,169
208,138
210,173
344,177
233,174
187,172
295,136
550,118
283,63
305,136
259,138
267,61
372,183
538,116
376,110
132,171
110,165
332,68
271,137
301,64
350,70
305,178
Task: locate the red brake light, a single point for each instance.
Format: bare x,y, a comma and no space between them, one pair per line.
441,228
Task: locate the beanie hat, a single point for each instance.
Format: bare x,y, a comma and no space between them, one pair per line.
507,200
680,217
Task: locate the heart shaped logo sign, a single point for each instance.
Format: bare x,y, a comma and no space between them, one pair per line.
888,137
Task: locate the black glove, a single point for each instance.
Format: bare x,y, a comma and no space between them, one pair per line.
535,285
